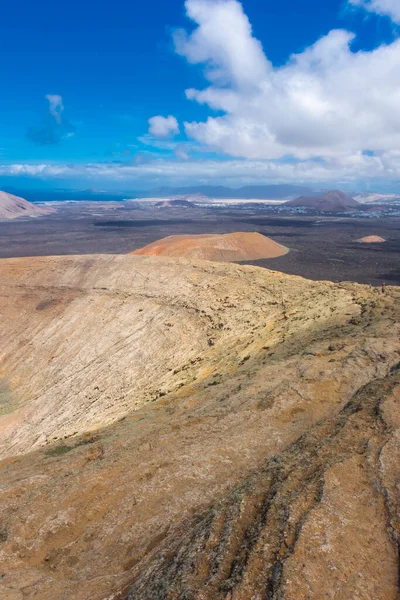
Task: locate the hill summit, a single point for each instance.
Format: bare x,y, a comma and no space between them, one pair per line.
229,247
12,207
332,201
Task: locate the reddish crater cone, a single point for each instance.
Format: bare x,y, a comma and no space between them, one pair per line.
371,239
229,247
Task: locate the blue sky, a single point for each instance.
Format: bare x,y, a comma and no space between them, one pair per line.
96,94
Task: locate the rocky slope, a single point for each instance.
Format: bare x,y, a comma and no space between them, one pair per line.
12,207
196,430
229,247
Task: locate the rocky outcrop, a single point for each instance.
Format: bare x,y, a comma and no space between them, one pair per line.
297,527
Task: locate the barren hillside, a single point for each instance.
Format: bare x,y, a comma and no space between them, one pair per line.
12,207
196,430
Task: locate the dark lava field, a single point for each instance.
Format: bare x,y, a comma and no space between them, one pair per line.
321,247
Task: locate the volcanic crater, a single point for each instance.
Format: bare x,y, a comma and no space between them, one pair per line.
230,247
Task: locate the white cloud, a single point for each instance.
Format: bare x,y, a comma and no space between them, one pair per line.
352,170
56,106
52,131
325,102
380,7
224,42
161,127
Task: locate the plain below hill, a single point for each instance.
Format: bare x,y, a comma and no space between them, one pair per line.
13,207
332,201
230,247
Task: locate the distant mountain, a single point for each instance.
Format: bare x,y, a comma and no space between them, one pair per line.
12,207
248,192
218,192
332,201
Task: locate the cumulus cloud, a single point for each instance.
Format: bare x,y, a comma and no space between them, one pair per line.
162,127
224,42
55,127
325,102
390,8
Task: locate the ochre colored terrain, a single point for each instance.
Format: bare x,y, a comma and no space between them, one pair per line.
371,239
229,247
197,430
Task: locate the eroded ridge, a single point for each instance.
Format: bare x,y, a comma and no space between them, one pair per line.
251,544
